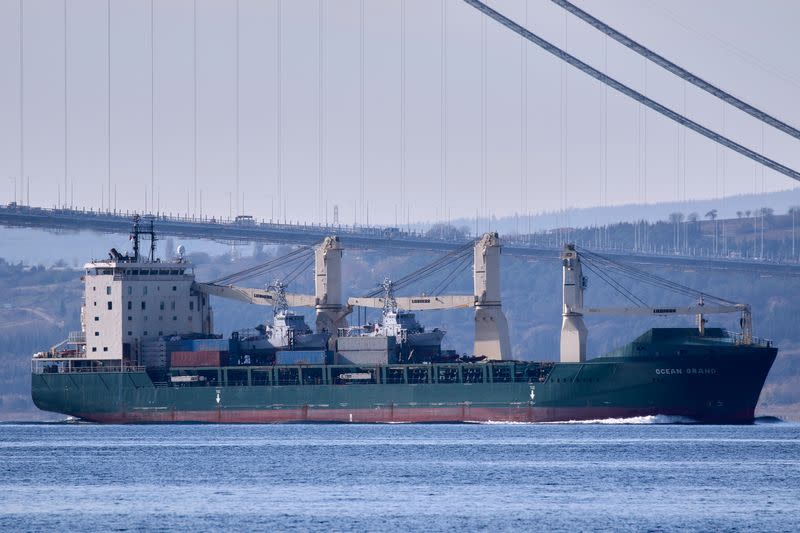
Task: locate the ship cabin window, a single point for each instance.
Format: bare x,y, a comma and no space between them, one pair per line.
161,306
144,305
105,348
97,319
172,306
191,306
108,290
109,305
174,318
94,348
130,333
144,290
130,318
130,305
174,288
145,334
96,333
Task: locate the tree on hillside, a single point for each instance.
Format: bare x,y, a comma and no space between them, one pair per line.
712,215
738,214
676,219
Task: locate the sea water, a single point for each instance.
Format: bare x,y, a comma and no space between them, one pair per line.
635,474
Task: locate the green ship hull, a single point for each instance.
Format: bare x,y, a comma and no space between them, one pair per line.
664,372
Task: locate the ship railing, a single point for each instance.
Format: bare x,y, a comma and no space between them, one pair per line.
53,366
77,337
739,339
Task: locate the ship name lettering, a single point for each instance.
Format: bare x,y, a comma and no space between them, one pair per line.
681,371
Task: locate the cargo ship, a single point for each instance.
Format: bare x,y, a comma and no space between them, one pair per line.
147,353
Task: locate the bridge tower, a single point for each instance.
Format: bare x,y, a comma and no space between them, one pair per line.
491,326
573,330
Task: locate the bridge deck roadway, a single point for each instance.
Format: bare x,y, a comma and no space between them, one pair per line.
357,238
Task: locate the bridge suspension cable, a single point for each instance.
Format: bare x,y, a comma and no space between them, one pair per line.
677,70
639,97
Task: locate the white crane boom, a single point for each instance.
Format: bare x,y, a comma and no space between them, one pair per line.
255,296
662,311
417,303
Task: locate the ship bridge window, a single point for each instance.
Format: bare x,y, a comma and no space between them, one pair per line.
135,272
107,271
173,272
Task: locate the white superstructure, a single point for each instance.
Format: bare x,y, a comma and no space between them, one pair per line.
129,299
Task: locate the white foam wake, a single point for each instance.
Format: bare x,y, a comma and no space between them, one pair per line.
634,420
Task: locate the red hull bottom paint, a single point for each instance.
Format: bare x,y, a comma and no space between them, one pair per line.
405,415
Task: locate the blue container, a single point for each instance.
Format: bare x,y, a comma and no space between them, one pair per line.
300,357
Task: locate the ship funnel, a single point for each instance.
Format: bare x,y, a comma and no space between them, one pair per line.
573,330
491,326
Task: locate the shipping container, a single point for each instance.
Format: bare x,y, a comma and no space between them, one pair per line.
300,357
365,343
365,357
199,358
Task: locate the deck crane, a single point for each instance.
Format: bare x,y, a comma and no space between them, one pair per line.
491,326
573,329
326,300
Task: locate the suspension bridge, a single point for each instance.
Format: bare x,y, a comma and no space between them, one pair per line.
197,224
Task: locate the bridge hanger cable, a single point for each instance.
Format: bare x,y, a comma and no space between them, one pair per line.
677,70
599,263
639,97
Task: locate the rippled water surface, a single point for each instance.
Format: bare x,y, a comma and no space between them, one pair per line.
567,477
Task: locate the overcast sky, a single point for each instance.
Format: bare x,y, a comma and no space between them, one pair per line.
748,48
